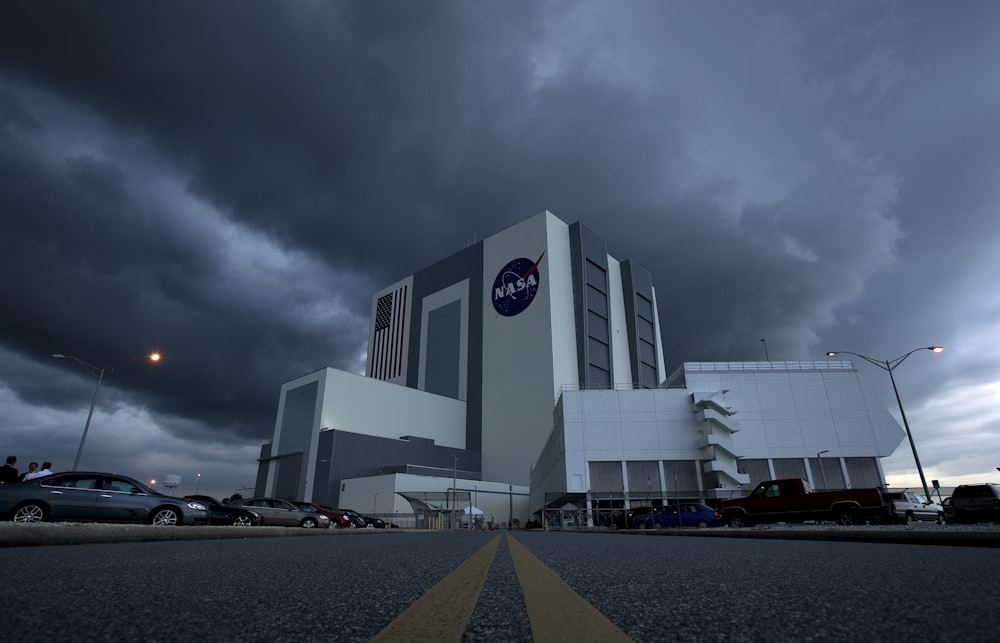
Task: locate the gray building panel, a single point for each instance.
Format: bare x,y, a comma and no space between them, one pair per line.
467,264
589,256
637,285
262,468
444,350
296,431
345,455
290,475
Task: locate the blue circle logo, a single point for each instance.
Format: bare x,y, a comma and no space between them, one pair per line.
515,286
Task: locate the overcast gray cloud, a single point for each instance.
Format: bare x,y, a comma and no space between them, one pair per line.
229,182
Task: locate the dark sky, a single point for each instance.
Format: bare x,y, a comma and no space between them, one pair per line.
229,182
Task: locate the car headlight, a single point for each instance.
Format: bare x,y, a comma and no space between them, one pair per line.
197,506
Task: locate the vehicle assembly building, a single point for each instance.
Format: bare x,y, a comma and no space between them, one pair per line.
526,372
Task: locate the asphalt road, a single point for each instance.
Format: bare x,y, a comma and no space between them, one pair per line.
438,586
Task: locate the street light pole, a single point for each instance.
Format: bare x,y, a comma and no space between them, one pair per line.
99,372
454,488
819,456
889,366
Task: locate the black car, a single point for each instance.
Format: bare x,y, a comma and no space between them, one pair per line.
363,521
220,514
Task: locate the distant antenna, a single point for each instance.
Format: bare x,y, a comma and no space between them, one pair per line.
766,358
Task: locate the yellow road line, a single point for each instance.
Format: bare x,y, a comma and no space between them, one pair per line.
557,613
443,612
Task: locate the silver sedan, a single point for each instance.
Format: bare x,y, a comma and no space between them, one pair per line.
278,512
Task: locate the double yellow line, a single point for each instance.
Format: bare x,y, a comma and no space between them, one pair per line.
556,612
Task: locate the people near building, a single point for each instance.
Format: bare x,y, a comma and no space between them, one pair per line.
44,471
8,472
32,467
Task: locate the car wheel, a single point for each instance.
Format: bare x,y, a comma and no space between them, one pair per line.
309,523
642,525
702,525
847,518
940,519
908,518
242,520
30,512
165,516
737,520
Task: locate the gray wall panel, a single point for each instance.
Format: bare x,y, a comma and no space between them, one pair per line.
467,264
444,335
352,455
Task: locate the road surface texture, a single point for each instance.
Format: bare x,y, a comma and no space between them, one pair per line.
398,585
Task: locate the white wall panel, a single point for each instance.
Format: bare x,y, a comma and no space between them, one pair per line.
371,407
518,370
640,435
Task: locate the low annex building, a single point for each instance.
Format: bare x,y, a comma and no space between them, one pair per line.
531,365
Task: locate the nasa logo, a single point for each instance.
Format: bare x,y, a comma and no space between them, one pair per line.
515,286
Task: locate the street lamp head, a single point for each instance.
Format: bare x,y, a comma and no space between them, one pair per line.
154,357
935,349
831,353
58,356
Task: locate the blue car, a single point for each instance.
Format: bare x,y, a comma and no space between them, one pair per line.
692,514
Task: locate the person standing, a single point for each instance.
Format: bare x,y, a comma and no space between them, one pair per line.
44,471
31,469
8,472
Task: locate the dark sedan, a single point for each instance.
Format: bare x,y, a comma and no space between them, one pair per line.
95,497
220,514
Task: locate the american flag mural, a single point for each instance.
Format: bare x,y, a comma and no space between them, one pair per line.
386,360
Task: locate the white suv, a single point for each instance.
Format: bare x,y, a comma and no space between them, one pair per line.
906,506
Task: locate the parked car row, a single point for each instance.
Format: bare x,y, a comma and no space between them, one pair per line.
88,496
973,503
968,503
220,514
337,520
275,512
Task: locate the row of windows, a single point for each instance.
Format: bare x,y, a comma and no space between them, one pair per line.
598,328
645,329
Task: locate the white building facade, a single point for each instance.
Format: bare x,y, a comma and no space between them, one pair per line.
714,430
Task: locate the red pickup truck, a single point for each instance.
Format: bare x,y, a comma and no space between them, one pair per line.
792,500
